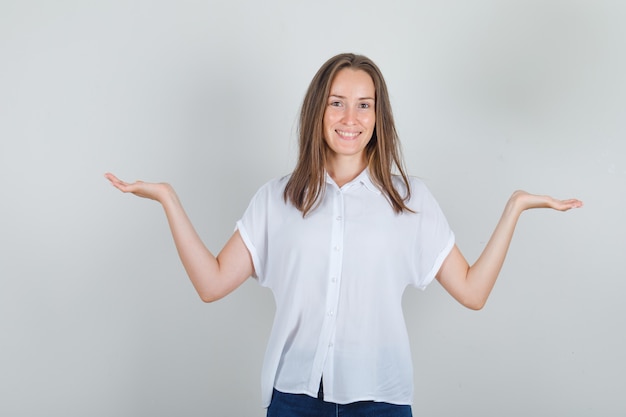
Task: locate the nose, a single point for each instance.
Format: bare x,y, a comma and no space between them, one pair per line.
349,115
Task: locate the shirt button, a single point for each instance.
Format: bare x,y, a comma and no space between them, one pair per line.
330,345
339,218
333,279
331,313
336,248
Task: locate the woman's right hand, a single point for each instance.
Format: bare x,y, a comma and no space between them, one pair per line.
153,191
212,277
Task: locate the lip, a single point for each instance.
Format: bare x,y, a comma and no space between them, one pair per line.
347,135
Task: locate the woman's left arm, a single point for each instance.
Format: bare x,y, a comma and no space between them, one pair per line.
471,285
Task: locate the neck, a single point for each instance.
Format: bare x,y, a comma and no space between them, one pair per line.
344,169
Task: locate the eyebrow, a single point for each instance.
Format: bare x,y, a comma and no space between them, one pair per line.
342,97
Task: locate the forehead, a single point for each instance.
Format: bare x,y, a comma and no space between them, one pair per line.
355,81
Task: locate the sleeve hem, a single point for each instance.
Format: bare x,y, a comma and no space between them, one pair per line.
253,254
438,262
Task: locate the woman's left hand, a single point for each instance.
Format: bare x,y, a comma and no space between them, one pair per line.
524,201
471,285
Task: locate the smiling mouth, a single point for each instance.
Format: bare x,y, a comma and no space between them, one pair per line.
347,135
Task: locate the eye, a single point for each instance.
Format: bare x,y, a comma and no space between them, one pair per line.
335,103
364,106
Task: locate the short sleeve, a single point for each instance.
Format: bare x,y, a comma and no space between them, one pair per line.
253,228
434,239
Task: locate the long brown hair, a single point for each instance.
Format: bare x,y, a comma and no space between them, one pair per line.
307,182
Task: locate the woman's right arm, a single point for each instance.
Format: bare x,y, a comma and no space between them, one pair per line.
212,277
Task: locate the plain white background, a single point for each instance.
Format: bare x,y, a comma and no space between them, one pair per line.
97,317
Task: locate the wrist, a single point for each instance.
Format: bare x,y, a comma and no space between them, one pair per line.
166,194
516,204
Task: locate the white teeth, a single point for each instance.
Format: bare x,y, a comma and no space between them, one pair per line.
348,134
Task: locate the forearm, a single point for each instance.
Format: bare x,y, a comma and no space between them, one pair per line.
200,264
212,277
471,285
481,276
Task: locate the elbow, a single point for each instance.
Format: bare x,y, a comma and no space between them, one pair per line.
206,290
475,304
209,295
208,298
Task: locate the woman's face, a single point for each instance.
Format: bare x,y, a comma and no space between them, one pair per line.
350,115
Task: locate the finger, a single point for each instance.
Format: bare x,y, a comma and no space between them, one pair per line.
113,179
109,176
570,204
119,184
574,202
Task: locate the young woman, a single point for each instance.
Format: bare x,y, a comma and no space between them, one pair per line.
337,242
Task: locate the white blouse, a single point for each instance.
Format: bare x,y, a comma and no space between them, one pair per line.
338,276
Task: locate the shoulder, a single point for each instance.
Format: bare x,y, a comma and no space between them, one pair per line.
275,184
420,195
417,186
271,191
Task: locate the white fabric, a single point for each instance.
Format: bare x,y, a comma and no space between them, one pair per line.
338,276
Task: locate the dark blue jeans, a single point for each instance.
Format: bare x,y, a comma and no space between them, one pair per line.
301,405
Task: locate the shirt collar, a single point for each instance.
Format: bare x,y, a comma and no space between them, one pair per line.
363,178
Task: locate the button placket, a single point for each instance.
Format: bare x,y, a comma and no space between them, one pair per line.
326,342
337,256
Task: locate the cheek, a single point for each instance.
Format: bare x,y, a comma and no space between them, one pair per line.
330,117
326,119
325,128
330,120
